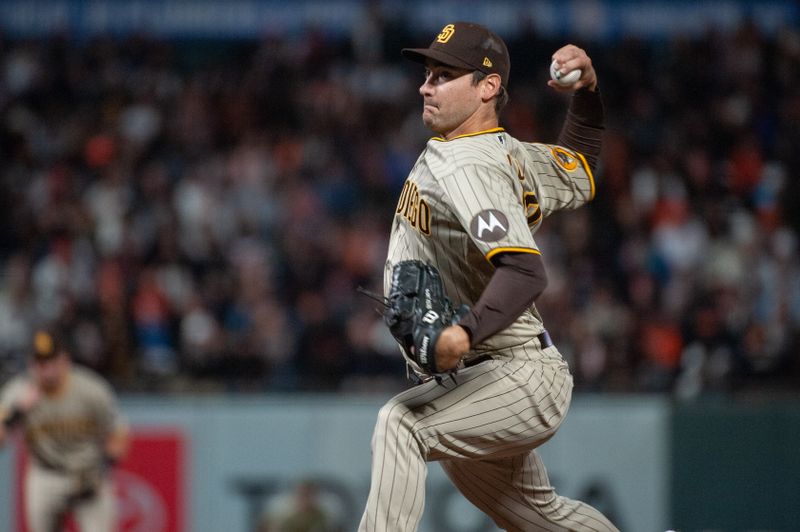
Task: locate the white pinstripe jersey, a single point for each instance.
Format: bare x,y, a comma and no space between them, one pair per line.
472,197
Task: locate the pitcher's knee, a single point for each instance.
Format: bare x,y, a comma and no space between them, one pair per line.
394,415
397,419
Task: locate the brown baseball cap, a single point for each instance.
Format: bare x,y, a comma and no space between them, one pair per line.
45,345
466,45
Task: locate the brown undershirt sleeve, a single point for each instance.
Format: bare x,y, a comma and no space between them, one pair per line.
517,282
520,277
584,125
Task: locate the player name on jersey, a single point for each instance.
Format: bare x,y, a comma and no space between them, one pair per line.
415,209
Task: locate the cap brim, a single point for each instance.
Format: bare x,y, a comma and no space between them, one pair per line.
419,55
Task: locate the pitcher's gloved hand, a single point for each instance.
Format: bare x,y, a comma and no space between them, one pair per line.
418,310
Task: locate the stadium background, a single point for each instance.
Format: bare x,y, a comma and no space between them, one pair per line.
193,190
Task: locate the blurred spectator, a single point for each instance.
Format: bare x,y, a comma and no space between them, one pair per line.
301,511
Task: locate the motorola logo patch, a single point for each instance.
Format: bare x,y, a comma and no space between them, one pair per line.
489,225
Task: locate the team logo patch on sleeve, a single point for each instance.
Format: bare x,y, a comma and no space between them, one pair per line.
489,225
564,158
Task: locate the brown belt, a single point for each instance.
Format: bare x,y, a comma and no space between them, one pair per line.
544,341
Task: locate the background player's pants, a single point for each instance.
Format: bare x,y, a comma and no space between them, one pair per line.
484,431
47,500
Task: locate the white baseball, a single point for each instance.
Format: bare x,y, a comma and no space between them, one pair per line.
564,79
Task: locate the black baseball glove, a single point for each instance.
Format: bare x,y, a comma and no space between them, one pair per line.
417,310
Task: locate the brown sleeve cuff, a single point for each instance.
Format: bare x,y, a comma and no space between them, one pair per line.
583,127
587,108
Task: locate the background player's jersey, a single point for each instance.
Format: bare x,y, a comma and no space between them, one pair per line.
475,196
68,432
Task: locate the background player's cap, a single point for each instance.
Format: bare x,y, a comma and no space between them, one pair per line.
45,345
466,45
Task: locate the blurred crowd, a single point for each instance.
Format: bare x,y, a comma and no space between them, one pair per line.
198,215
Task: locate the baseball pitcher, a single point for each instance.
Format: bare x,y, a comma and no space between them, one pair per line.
73,432
462,274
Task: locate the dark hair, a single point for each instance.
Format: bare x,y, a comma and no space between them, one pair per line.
500,100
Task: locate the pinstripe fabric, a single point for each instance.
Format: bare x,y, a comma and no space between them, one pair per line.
465,200
459,179
517,494
483,428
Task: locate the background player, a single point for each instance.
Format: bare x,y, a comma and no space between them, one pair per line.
73,430
470,207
